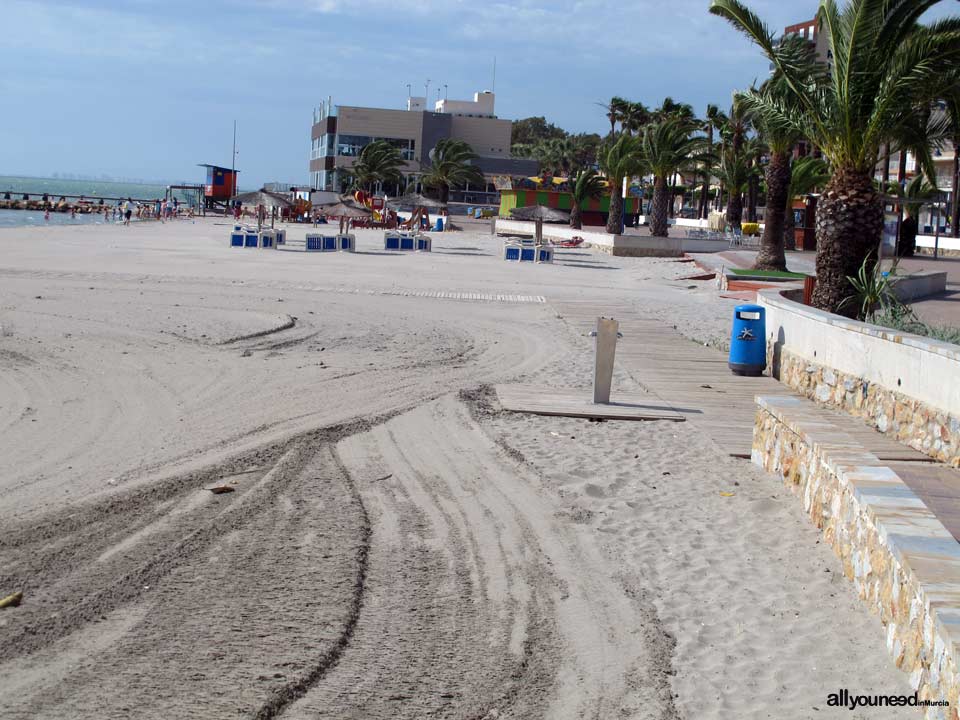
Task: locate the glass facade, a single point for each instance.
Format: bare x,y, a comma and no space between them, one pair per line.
322,146
352,145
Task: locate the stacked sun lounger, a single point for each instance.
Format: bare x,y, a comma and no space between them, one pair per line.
243,236
324,242
525,250
407,241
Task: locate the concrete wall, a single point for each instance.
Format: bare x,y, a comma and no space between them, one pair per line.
378,122
625,245
489,137
948,244
902,384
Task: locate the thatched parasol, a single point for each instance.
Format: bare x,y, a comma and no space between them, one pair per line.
262,197
344,211
540,212
412,201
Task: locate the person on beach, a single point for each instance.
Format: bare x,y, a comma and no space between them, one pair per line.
127,212
46,215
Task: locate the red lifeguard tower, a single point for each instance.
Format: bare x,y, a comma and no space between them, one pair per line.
221,184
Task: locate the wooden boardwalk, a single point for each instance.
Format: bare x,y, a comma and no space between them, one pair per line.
695,381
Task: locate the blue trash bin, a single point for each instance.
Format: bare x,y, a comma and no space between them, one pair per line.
748,340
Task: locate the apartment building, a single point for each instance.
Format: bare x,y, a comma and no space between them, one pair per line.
340,132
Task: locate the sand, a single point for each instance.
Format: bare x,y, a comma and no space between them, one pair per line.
395,546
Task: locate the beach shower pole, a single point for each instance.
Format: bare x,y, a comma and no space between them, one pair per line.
605,337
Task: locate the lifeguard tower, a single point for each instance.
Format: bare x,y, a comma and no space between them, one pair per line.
221,185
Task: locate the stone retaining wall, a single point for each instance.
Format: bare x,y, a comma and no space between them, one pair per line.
902,384
922,427
901,559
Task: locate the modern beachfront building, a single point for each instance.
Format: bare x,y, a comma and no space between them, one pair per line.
340,132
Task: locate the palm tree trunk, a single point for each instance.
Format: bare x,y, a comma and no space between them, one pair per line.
789,226
735,210
753,190
771,255
703,212
615,215
576,216
849,225
907,243
659,225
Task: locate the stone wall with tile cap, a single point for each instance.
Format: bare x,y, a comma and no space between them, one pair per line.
903,562
901,384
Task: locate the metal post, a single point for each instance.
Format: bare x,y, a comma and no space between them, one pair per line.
606,336
936,223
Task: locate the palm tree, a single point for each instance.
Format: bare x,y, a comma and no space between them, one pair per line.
806,173
735,132
379,161
635,116
451,166
884,64
621,158
734,174
588,185
616,111
669,146
754,150
780,140
917,193
709,124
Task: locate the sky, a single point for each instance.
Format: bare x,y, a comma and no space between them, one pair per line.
142,89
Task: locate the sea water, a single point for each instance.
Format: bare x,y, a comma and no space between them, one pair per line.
55,187
25,218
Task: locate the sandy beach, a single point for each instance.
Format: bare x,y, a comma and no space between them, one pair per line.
395,545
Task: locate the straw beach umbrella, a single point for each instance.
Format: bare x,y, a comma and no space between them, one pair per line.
344,211
262,197
540,214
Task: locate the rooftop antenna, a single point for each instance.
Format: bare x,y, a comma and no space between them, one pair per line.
426,92
444,91
408,91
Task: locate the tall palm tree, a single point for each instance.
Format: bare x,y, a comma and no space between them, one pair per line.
735,133
451,166
616,111
734,174
635,116
621,158
780,139
754,151
709,124
669,146
806,174
588,185
379,161
884,64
